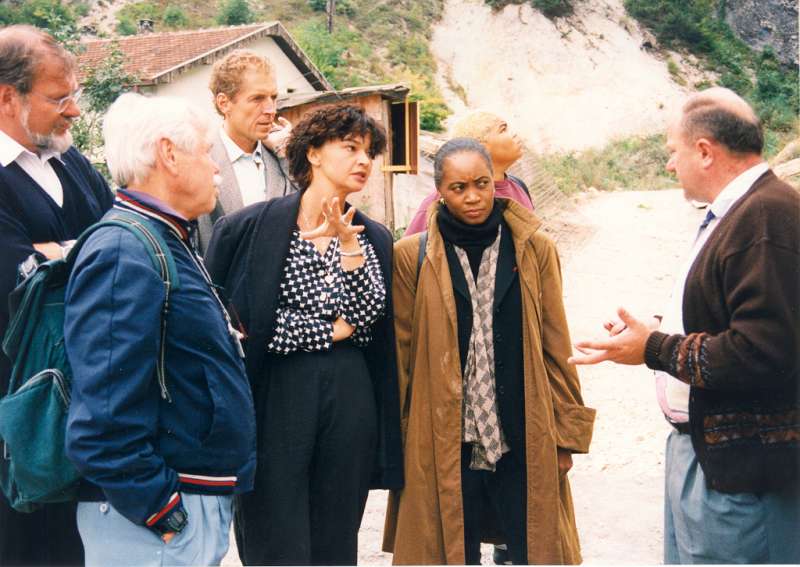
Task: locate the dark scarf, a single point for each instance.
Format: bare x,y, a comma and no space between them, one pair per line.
473,238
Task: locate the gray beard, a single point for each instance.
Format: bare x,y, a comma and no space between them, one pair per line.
45,142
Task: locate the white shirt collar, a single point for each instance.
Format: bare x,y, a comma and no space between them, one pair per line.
232,148
10,150
734,190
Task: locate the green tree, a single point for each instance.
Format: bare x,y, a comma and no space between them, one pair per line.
235,12
42,13
101,88
125,26
174,17
333,54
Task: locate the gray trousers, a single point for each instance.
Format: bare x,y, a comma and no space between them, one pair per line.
702,525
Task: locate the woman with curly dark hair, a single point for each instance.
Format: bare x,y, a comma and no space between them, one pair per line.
310,278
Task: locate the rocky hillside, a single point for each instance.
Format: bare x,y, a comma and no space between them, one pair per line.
766,23
564,84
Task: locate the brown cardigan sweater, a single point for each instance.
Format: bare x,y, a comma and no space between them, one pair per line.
741,313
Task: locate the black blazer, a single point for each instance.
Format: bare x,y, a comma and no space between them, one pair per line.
246,256
507,331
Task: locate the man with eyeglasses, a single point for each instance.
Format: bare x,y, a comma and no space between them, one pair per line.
49,193
248,147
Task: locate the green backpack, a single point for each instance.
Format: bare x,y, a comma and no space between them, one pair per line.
34,469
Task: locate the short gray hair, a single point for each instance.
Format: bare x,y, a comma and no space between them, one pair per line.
22,50
457,146
134,125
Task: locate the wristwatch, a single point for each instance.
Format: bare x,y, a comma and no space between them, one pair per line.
172,522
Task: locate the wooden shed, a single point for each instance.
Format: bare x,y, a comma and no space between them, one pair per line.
390,106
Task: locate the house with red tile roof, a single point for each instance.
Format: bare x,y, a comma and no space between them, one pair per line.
179,63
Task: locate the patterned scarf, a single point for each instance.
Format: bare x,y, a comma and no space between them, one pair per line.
481,422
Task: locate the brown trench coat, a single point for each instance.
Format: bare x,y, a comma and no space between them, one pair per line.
424,521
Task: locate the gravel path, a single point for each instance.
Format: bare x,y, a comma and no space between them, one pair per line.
630,259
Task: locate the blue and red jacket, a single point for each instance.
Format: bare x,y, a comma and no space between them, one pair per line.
140,444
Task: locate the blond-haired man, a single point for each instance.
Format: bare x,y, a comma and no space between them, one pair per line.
247,146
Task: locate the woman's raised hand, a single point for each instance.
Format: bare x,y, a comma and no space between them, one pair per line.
335,224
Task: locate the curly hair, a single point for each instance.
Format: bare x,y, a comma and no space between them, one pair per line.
226,77
323,125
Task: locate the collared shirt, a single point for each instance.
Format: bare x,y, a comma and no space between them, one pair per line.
248,169
673,395
38,167
153,207
315,291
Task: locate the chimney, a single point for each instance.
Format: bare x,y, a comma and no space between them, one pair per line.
146,26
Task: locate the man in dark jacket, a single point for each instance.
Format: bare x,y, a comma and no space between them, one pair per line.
726,351
49,193
161,453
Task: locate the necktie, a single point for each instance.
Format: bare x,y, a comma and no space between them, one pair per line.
709,217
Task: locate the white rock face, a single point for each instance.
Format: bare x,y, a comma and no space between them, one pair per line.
564,85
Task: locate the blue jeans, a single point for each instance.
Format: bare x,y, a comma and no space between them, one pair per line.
111,539
702,525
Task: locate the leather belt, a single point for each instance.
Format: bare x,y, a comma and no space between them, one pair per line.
682,428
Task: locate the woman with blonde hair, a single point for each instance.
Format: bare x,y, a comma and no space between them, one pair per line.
491,411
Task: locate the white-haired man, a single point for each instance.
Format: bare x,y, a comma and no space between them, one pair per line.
49,193
160,459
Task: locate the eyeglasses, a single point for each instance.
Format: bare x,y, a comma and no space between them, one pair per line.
62,103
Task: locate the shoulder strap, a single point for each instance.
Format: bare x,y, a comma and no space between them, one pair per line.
423,243
163,262
521,183
142,229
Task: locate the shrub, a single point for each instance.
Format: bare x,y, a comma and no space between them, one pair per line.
234,13
125,26
432,114
334,54
42,13
631,163
174,17
553,8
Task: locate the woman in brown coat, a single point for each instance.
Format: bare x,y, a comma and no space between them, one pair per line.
491,411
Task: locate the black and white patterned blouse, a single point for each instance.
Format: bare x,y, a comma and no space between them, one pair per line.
315,291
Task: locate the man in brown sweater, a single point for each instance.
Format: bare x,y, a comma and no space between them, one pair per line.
726,351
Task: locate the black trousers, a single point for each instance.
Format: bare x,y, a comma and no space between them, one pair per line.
500,495
317,438
46,537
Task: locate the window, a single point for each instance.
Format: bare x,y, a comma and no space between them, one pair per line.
404,119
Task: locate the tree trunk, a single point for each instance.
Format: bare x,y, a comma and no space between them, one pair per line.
331,7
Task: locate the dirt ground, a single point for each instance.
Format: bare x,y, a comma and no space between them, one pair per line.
636,245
